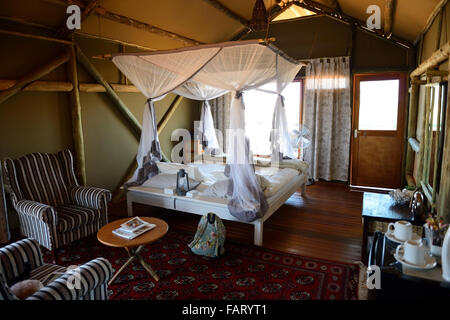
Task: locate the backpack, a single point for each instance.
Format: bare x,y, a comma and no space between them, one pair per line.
210,237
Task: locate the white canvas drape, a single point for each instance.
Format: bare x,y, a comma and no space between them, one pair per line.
197,91
280,139
155,75
327,112
233,66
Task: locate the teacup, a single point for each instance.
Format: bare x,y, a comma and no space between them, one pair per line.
402,230
414,252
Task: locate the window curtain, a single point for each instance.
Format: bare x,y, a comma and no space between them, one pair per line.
327,113
4,227
220,110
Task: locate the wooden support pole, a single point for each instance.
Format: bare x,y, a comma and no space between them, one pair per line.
46,86
65,86
233,15
121,107
34,75
389,11
118,192
77,125
34,36
412,124
128,44
27,23
170,112
93,87
432,62
102,12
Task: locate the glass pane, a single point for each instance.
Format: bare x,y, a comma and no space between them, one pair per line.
259,106
378,105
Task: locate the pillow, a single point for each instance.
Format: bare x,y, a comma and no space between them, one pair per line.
166,180
217,190
26,288
173,167
263,182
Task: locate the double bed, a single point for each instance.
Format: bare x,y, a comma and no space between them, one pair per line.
278,185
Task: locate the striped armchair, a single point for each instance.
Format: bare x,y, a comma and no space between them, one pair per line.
59,283
52,207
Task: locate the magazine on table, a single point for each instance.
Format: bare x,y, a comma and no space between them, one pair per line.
133,228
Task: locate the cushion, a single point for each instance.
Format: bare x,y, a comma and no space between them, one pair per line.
71,217
217,190
167,180
47,273
173,168
26,288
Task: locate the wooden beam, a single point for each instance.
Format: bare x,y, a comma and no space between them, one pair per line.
65,86
102,12
431,18
389,11
93,87
46,86
121,107
27,23
438,57
169,113
120,42
34,36
233,15
77,125
34,75
324,10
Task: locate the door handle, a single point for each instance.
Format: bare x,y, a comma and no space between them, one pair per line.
355,133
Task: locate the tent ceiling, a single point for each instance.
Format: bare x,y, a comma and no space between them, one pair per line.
197,19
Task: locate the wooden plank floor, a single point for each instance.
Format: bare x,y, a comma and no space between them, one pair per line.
326,224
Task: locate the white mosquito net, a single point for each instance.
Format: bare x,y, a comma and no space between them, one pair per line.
206,72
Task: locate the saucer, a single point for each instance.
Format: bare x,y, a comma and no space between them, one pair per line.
391,236
430,261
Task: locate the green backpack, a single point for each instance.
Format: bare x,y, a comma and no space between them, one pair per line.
210,237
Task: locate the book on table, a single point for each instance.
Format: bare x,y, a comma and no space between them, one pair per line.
133,228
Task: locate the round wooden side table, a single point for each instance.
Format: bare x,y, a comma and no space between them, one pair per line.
135,246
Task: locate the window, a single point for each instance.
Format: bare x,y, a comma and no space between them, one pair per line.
259,106
378,105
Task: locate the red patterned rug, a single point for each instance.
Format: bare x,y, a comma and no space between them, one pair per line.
244,272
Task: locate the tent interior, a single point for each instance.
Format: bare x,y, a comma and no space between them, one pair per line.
311,129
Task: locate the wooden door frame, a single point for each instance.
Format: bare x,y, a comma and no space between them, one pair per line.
401,117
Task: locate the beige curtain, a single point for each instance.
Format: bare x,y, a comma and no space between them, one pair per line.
220,109
327,113
4,228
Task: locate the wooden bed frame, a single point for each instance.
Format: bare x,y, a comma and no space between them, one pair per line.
201,206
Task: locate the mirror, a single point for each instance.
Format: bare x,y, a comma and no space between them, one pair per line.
436,104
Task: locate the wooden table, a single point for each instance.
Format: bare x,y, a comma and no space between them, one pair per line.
135,246
380,207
